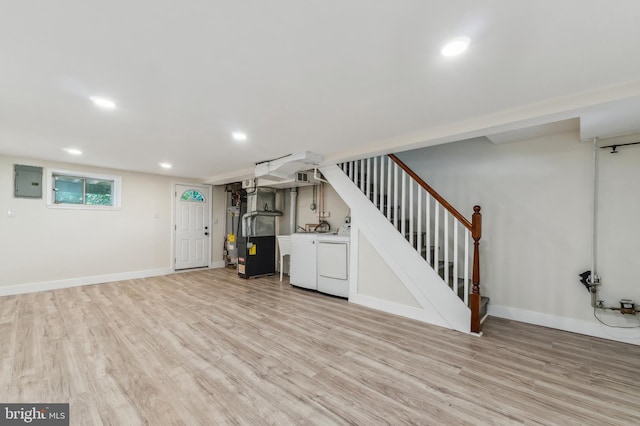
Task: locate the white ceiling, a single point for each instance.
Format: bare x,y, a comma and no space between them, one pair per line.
341,78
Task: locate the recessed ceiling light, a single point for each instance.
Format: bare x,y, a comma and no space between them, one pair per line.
165,165
73,151
103,102
456,46
239,136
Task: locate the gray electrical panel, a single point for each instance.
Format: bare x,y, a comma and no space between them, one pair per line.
28,181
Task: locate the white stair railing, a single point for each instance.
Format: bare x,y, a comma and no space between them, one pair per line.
429,223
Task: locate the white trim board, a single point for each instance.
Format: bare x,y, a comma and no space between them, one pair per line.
631,336
76,282
96,279
397,309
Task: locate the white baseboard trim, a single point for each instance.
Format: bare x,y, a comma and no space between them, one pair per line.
406,311
218,264
572,325
76,282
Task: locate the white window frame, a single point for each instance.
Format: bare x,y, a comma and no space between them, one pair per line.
115,194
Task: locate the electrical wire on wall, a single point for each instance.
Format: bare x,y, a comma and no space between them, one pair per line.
595,315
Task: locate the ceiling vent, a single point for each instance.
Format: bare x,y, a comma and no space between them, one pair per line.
285,168
298,179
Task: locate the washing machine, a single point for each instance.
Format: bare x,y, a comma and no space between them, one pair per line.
333,264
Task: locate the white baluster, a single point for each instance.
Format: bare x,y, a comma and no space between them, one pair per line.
427,225
368,178
445,218
395,195
436,236
355,172
455,255
375,180
403,203
411,239
381,202
390,199
467,237
419,243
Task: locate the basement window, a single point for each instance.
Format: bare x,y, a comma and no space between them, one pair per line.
68,189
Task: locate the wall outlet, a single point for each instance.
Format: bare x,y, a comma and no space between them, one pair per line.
325,214
11,213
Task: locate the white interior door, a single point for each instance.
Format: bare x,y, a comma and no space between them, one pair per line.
192,228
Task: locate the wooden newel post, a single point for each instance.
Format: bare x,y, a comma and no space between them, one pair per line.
476,234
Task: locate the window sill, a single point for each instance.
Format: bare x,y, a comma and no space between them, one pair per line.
82,207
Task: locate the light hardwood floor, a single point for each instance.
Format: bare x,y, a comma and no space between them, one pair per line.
208,348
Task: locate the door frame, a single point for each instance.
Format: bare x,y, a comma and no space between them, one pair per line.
173,221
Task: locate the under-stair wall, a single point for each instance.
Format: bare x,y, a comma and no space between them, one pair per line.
405,283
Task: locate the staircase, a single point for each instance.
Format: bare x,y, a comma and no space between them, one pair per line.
383,188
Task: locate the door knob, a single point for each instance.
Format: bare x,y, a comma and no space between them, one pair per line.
206,233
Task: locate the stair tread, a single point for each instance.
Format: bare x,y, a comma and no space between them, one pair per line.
483,301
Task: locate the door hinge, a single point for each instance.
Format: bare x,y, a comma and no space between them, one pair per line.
175,227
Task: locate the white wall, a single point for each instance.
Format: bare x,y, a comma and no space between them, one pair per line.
333,204
45,245
376,279
618,247
336,207
536,204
